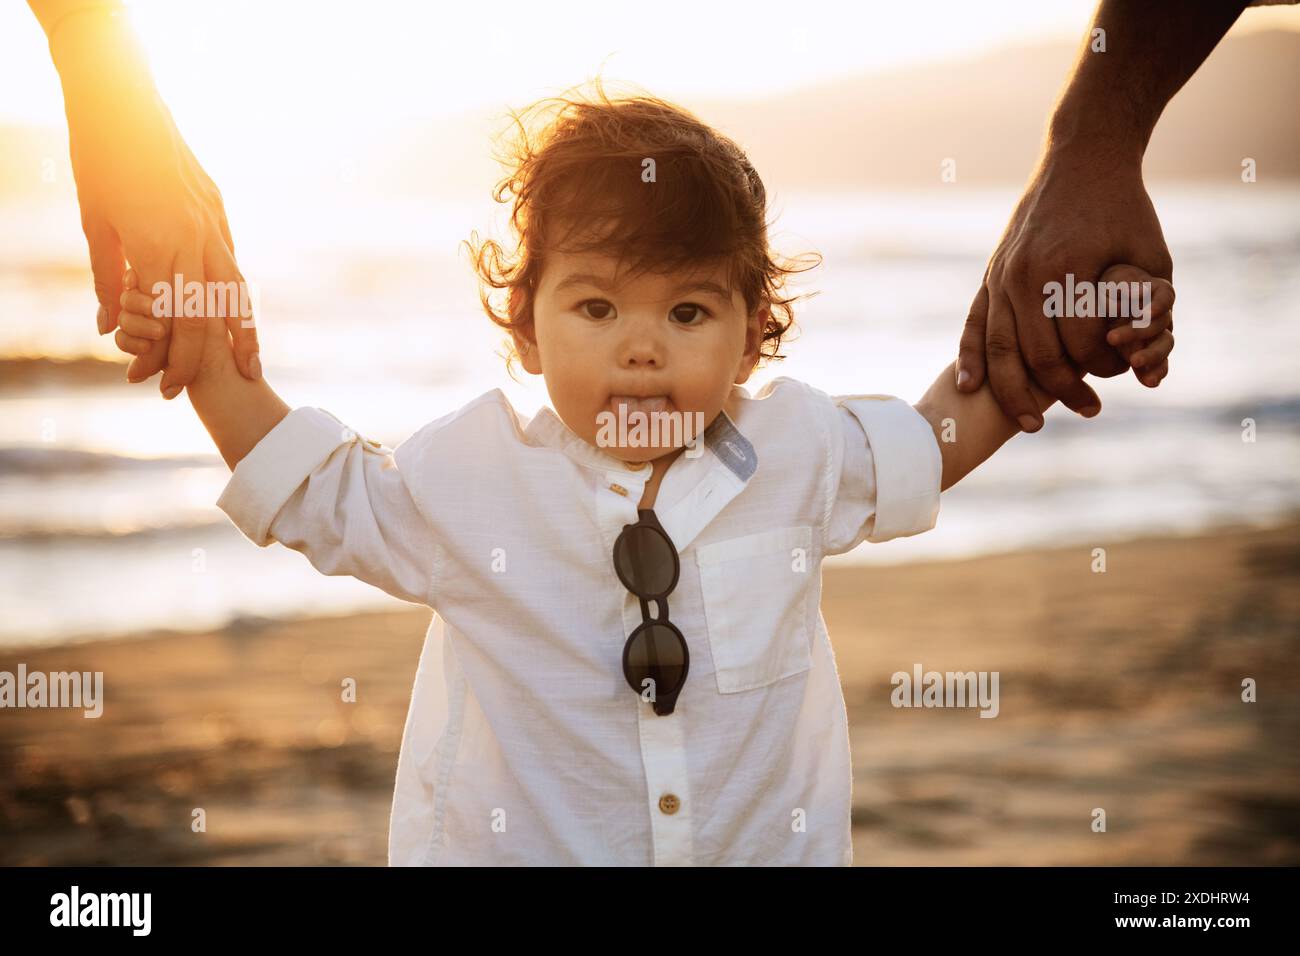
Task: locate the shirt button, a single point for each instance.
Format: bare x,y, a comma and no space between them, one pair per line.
669,803
618,490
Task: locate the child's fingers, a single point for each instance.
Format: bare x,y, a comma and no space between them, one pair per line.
1129,334
1162,296
1148,298
142,326
134,301
1151,356
1162,290
131,344
1151,377
1153,352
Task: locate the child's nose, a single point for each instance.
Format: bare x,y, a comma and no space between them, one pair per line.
642,349
642,360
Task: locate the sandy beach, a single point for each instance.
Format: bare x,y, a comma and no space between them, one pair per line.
1118,690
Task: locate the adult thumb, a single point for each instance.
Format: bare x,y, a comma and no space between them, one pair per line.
107,264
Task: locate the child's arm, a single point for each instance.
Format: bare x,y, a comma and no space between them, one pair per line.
971,427
237,412
304,479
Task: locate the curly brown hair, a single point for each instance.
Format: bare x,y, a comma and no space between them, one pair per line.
583,168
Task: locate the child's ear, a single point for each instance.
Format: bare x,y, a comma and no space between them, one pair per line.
753,342
524,333
530,357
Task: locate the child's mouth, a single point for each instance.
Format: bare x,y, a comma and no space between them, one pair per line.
632,403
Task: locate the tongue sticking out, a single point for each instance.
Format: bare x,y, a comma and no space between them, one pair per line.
649,405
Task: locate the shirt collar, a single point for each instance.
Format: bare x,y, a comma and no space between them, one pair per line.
694,490
723,439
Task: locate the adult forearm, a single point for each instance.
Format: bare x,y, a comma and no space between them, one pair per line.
1151,47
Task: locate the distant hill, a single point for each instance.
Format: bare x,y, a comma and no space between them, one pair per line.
989,113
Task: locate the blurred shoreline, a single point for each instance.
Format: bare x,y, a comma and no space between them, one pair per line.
1118,690
378,321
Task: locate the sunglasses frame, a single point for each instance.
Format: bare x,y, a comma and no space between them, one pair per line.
664,702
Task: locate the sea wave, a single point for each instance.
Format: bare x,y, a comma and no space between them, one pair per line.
42,461
45,533
24,372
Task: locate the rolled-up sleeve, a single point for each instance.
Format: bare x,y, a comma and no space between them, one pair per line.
885,472
315,486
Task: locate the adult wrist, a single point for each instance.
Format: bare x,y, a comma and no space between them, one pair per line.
52,14
1093,124
97,53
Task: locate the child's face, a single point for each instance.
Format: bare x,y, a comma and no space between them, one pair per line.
599,336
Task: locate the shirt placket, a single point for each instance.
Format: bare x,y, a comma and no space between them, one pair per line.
662,740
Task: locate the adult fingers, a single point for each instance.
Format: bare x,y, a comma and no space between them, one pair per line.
107,265
240,321
202,183
1043,353
220,212
1085,342
970,354
1006,372
1084,338
185,350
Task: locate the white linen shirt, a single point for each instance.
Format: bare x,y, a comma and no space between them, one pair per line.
524,744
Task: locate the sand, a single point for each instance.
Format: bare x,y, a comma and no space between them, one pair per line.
1119,691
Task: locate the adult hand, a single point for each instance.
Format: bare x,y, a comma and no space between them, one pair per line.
1080,214
144,197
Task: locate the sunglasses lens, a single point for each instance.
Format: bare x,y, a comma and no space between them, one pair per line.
645,562
655,652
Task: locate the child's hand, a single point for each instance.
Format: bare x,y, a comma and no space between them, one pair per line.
138,328
1145,347
238,412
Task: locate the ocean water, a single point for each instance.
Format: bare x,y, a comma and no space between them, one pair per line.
369,309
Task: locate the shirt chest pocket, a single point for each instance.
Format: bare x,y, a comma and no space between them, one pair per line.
755,593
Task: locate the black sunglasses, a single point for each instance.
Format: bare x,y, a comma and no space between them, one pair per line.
655,657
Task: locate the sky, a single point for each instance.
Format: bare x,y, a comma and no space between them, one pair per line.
385,61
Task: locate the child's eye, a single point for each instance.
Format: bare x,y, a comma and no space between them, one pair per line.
603,309
686,311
